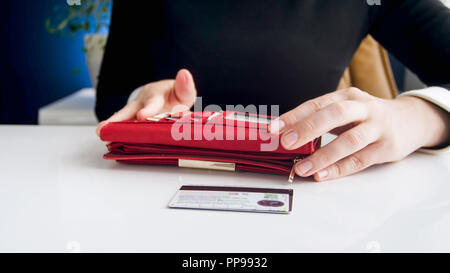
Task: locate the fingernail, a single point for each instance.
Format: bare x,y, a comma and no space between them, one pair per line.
276,126
322,174
290,139
100,126
186,76
304,167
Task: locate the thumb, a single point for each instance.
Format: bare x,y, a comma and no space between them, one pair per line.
185,91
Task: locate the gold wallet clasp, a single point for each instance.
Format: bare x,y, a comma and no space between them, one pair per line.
205,164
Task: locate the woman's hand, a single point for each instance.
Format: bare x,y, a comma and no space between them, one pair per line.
371,131
158,97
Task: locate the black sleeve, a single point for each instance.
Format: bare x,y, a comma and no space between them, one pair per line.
417,32
126,62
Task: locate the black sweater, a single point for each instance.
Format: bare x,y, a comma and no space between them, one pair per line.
264,52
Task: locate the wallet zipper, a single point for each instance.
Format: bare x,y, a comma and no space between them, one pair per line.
292,173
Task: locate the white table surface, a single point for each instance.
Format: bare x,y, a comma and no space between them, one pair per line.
57,194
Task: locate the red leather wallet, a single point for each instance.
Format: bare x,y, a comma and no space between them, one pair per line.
210,140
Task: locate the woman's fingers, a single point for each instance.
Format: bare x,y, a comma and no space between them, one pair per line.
323,121
181,97
184,91
152,106
158,96
351,164
289,119
127,112
346,144
100,126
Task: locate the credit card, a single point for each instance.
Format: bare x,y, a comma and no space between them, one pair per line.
246,199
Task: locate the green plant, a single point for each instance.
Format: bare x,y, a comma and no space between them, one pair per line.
89,16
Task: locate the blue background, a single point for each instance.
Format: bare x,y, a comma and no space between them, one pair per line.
36,67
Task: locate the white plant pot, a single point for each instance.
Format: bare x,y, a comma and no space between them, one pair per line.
94,48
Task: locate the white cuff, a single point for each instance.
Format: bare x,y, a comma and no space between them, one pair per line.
134,94
438,96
